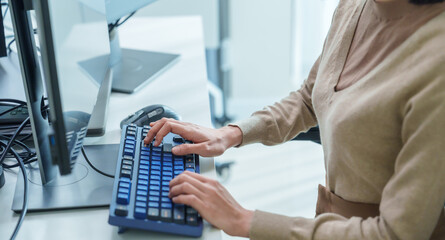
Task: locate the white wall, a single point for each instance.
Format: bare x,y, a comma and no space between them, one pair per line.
208,9
260,48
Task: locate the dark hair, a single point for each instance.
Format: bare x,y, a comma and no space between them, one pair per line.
421,2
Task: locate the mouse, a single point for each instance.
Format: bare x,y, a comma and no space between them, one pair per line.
150,114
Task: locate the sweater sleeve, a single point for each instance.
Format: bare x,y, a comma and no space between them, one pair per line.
285,119
412,200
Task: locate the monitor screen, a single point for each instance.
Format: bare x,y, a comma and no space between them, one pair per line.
71,32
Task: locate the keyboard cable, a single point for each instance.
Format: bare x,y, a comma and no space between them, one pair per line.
92,166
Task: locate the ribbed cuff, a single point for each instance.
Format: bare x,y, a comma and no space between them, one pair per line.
253,129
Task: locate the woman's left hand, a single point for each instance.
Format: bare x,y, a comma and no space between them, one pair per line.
212,201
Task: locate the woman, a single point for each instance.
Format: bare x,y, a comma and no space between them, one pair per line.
377,93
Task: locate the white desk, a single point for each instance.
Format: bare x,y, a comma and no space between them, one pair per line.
186,83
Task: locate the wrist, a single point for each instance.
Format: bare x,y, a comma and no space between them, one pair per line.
245,223
233,136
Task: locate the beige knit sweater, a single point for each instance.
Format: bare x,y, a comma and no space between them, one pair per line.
383,137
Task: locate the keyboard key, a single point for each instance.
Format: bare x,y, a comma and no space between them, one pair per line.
123,198
153,199
190,165
178,214
127,167
168,155
166,178
144,167
126,173
143,177
141,198
157,163
177,172
155,178
167,173
154,193
142,171
166,200
146,158
156,172
190,169
143,182
165,183
192,219
121,210
155,188
124,190
131,133
167,164
144,162
141,193
179,168
144,148
156,167
166,205
156,158
130,142
127,162
142,187
167,159
145,153
178,140
129,152
124,184
165,189
153,213
153,204
190,160
164,194
167,147
140,213
155,183
141,204
157,149
129,146
166,215
131,138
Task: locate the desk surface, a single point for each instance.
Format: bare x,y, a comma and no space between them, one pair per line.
186,83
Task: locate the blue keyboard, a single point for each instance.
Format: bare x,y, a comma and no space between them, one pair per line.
141,186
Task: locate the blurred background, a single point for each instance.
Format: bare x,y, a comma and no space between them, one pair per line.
257,52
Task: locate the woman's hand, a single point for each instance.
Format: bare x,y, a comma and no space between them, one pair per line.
212,201
208,142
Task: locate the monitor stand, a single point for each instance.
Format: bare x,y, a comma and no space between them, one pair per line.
83,188
132,69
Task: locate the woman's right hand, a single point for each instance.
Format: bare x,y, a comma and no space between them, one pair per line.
208,142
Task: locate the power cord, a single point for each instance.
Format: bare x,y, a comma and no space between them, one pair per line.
92,166
25,194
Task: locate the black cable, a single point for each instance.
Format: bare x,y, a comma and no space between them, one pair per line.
11,142
9,100
25,195
18,142
93,167
116,24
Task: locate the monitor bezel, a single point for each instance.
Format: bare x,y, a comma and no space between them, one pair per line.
58,147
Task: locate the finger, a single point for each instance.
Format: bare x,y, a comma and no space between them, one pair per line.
190,200
152,132
184,149
185,188
198,176
182,178
169,126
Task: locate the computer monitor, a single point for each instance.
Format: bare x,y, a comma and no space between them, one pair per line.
132,69
69,32
3,52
